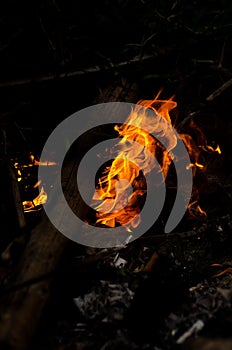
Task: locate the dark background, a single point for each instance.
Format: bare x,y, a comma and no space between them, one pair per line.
59,56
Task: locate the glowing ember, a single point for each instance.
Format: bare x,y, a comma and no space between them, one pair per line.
218,150
19,175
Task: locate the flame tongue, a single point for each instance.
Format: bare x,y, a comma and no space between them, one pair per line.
25,172
39,200
121,186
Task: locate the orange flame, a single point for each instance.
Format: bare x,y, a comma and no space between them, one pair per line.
124,172
195,209
210,148
19,175
39,200
42,197
37,184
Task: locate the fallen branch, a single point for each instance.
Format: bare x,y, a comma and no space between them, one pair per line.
219,91
73,74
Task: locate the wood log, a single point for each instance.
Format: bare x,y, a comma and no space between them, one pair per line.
27,290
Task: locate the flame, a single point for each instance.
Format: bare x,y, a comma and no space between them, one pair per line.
194,147
201,211
37,184
34,162
195,209
210,148
37,201
218,150
124,172
191,165
19,175
23,174
201,166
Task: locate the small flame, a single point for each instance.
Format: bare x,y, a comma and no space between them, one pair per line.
199,165
210,148
37,184
19,175
201,211
33,161
191,165
195,209
218,150
39,200
23,174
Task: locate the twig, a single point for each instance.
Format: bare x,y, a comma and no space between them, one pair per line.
219,91
220,69
51,44
222,54
72,74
